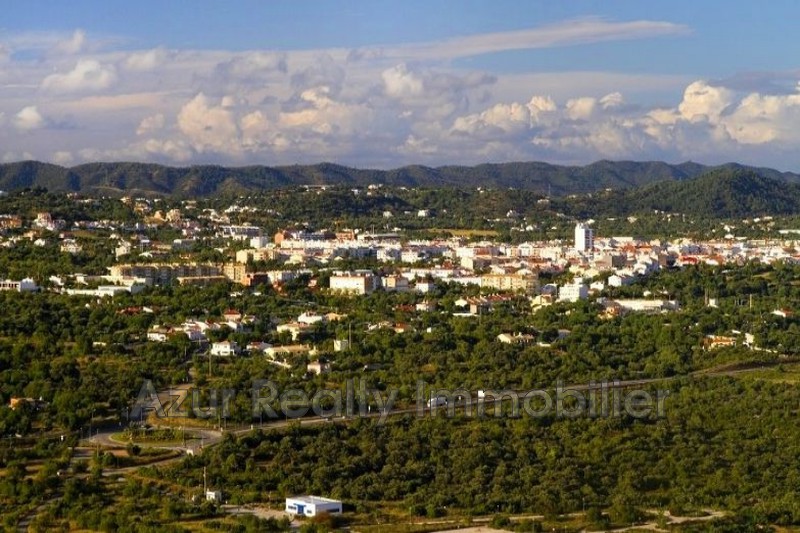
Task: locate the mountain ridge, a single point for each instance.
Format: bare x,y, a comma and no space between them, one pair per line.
152,179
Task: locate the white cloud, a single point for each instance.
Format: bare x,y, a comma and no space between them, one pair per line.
380,106
498,119
571,32
612,100
146,60
63,157
761,119
29,119
72,45
208,127
254,64
150,124
88,75
581,108
399,82
702,101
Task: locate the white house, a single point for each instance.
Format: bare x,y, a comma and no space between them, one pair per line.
617,280
358,283
311,318
25,285
157,334
312,506
573,292
318,367
224,348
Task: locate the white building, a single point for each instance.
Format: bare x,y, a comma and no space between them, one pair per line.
25,285
261,241
312,506
395,283
318,367
617,280
224,348
573,292
584,238
340,345
353,283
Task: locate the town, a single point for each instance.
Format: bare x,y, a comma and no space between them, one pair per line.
166,314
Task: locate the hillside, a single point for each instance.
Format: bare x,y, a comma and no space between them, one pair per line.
730,191
197,181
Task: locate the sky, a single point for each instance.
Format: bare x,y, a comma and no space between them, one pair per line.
383,84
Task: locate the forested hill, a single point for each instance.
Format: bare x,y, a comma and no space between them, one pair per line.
724,192
196,181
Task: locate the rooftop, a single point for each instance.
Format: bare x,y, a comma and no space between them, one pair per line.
313,500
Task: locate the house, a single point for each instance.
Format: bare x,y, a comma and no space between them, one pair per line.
311,506
70,246
426,306
395,283
519,338
232,315
718,341
616,280
214,496
318,367
287,350
424,286
224,348
26,285
157,334
311,318
257,346
354,283
296,329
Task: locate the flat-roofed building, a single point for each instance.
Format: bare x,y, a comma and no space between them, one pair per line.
311,506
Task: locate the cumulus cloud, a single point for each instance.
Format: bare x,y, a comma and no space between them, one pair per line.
253,65
399,82
497,120
150,124
380,106
29,119
63,157
88,75
207,126
324,71
324,115
146,60
702,101
761,119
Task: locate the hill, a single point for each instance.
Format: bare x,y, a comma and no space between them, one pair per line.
730,191
196,181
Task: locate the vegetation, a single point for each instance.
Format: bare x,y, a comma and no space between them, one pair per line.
727,441
150,179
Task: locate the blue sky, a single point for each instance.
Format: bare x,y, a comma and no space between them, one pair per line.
384,84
